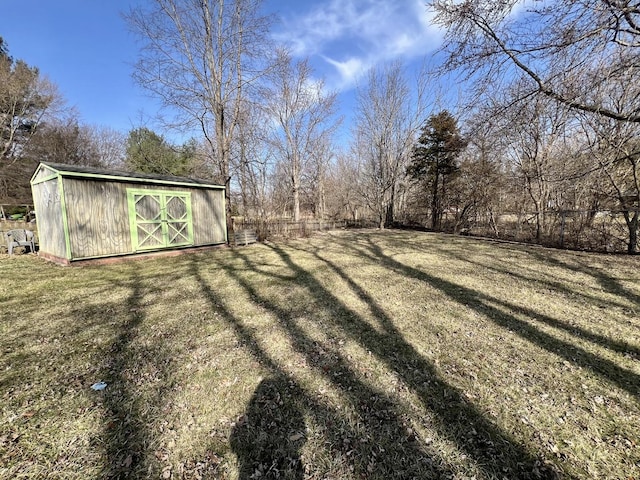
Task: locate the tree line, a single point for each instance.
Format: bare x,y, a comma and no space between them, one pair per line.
541,146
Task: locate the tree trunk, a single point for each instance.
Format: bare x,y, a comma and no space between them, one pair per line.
493,223
632,225
223,152
388,220
388,217
435,207
321,207
295,180
296,203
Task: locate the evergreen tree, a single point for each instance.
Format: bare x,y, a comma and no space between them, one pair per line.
148,152
434,159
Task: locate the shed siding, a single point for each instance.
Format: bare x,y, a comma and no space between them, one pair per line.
46,198
209,226
98,215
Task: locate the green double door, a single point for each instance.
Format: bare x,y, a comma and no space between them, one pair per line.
159,219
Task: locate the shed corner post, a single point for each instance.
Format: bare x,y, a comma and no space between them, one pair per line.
65,219
228,222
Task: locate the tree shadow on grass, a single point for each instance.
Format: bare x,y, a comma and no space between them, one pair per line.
489,306
374,442
608,282
619,346
138,379
125,433
43,349
492,450
495,262
269,436
53,365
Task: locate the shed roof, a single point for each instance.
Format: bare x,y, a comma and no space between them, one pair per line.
119,175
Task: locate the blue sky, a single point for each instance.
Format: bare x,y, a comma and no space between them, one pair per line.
84,47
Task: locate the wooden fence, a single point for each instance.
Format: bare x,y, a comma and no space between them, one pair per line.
282,228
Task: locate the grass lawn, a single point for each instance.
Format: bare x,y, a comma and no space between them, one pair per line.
358,354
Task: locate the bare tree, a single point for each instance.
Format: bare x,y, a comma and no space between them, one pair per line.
581,56
387,118
479,190
343,201
572,52
109,145
199,57
303,116
253,161
615,148
63,141
317,176
533,131
26,98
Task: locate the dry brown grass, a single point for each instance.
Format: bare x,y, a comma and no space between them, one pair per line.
356,354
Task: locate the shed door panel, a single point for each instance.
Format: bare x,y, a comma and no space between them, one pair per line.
148,217
177,220
159,219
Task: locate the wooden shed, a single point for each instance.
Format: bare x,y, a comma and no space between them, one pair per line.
87,213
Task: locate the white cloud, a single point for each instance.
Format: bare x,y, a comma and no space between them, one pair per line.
349,70
355,35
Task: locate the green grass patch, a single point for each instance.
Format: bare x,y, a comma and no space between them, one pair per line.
358,354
